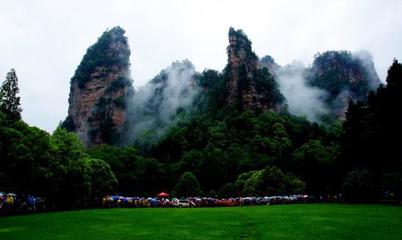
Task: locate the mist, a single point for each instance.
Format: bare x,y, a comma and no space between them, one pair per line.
305,100
302,100
163,101
367,61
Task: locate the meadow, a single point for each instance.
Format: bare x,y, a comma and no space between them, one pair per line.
298,221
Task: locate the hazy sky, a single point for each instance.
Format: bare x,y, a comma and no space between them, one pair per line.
45,40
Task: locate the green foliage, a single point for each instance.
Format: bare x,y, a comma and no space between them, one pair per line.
102,54
314,151
101,177
254,186
342,75
54,167
67,146
316,164
359,185
26,159
391,184
169,99
267,86
228,190
269,181
247,85
9,101
187,185
135,174
241,180
68,124
213,96
218,150
119,83
72,184
294,185
372,131
217,146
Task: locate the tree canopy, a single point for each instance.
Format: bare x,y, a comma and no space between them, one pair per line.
9,99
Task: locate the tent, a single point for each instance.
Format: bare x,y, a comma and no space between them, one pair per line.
163,194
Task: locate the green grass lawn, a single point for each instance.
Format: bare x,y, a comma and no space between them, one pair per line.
299,221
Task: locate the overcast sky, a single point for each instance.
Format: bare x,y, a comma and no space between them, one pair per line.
45,40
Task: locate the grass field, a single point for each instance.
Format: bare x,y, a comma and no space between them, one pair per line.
299,221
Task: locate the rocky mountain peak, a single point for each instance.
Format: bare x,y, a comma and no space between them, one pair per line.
248,85
344,76
100,89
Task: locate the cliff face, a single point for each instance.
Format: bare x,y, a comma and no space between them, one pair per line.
343,76
269,63
100,90
248,85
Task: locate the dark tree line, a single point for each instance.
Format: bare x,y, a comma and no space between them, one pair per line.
372,140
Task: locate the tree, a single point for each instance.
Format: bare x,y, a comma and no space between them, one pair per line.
187,185
274,181
390,121
294,185
135,174
254,185
394,77
279,145
392,185
228,190
25,158
9,101
314,162
67,146
269,181
71,179
241,180
372,136
123,162
102,179
358,185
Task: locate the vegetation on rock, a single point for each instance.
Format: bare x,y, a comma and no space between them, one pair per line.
231,135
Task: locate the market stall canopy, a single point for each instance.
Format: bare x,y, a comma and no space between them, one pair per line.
163,194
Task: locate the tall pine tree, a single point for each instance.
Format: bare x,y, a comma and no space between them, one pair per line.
9,101
390,104
372,136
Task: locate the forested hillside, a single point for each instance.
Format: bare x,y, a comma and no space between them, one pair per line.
210,133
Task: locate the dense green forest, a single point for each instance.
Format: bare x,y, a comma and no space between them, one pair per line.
234,136
219,150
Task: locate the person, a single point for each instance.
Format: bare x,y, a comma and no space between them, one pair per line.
104,203
31,203
10,200
9,203
1,203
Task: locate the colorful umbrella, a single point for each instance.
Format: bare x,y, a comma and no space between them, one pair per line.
163,194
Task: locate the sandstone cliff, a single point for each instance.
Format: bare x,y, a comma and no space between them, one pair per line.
248,85
344,76
100,90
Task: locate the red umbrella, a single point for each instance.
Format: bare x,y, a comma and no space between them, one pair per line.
163,194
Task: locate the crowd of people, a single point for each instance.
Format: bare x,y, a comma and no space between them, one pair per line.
11,203
122,201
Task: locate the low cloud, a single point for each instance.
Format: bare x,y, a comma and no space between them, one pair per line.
160,103
302,100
